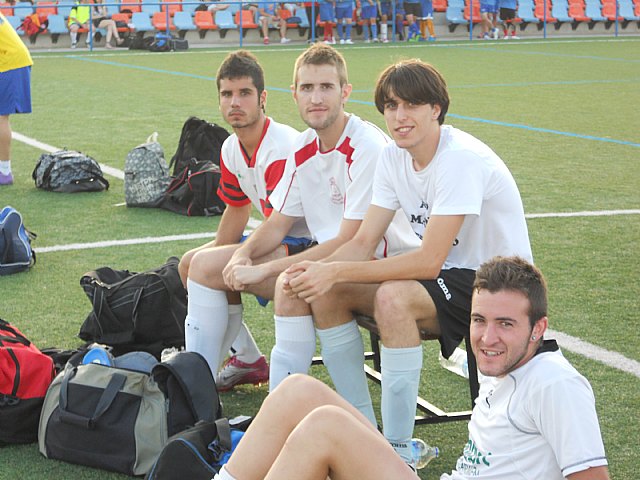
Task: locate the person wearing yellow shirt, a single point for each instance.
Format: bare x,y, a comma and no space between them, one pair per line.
78,18
15,90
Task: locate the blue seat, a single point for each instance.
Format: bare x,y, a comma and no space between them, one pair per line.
150,7
525,12
64,7
593,10
57,24
560,11
142,22
189,6
301,13
233,8
455,17
626,11
22,10
224,20
15,22
183,22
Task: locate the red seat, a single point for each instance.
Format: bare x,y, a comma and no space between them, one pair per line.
439,5
539,13
609,12
159,21
6,9
204,20
121,17
247,19
44,9
477,18
132,5
576,11
173,7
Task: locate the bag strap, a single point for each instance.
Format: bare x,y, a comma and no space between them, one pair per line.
116,382
19,338
224,433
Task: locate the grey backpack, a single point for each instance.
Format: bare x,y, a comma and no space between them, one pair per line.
69,171
146,174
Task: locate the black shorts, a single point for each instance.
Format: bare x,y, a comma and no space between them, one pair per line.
451,293
507,14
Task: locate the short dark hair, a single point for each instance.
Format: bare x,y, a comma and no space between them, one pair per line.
241,63
413,81
517,275
322,54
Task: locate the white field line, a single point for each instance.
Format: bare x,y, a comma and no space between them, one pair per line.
593,352
573,344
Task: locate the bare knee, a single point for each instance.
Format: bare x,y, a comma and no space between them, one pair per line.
286,306
205,267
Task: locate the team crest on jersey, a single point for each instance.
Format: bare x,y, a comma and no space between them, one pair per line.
336,195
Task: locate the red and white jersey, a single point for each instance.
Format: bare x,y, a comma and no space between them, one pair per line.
326,187
253,179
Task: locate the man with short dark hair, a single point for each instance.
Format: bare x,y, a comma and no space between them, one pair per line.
464,205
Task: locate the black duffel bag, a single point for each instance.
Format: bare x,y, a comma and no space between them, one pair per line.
135,311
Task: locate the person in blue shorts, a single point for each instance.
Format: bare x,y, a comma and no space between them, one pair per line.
327,18
413,11
488,13
344,18
268,14
15,90
369,14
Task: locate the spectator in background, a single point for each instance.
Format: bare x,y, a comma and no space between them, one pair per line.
101,20
426,21
344,19
79,18
386,14
369,15
508,17
413,11
489,22
268,14
327,18
15,90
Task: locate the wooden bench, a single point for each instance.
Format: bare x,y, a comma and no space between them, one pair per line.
428,413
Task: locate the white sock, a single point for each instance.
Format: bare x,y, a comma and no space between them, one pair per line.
383,30
400,380
233,327
223,474
245,346
5,167
343,355
294,348
206,322
74,37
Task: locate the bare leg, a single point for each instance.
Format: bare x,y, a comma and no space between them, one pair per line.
5,138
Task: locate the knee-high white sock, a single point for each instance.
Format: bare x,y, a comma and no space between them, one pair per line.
5,167
400,380
244,346
383,30
206,322
223,475
233,327
343,355
294,348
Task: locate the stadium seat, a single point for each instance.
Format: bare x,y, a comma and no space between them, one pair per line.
64,7
576,12
301,13
455,17
203,21
44,9
189,6
183,22
245,20
233,8
560,10
130,6
22,9
626,11
159,22
456,3
525,13
542,13
150,7
477,18
439,5
6,9
141,22
122,17
57,26
594,12
15,22
609,12
224,22
173,6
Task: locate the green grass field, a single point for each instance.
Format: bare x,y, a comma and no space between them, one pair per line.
562,114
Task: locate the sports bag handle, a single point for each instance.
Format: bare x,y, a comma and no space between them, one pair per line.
19,338
115,384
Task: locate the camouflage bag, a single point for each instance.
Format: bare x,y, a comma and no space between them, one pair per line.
69,171
146,174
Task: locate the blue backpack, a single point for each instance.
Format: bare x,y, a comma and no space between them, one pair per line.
15,243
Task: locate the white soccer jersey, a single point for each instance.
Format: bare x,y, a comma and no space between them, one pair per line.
253,179
465,177
537,422
325,187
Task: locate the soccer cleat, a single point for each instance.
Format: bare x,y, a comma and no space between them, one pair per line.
431,39
515,37
6,179
235,372
342,41
284,40
74,44
348,41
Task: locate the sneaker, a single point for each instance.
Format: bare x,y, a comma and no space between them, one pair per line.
284,40
348,41
235,372
385,40
515,37
6,179
495,34
342,41
375,40
506,37
367,40
431,39
74,44
266,40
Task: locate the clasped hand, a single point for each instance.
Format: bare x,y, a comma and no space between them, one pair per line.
308,280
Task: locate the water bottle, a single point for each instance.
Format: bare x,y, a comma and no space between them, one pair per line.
456,363
422,453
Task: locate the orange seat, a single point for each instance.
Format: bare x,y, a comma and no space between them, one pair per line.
173,7
121,17
439,5
286,14
131,5
245,19
539,13
477,18
609,12
6,9
204,20
44,9
576,11
159,21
